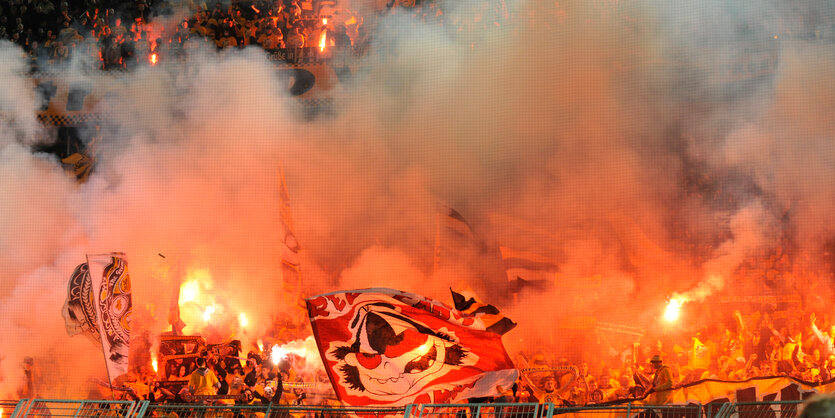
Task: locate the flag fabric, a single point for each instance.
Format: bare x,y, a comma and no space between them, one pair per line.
384,347
174,318
526,268
290,267
79,311
489,315
113,306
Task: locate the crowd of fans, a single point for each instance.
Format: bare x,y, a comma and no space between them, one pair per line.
121,36
210,378
755,346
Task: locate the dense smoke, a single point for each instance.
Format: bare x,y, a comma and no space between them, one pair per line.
606,136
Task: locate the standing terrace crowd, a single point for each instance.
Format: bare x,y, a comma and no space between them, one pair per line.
123,36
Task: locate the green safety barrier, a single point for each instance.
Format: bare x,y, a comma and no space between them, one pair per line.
486,410
48,408
56,408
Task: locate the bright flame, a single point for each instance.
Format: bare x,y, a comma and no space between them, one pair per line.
153,58
260,346
323,40
1,412
154,363
673,310
189,291
277,353
242,320
207,314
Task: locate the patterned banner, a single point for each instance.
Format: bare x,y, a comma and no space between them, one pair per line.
79,309
113,305
383,347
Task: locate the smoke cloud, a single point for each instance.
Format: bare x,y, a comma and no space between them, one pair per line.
616,138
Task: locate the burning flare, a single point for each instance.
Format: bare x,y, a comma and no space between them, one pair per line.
207,314
153,58
154,363
673,310
242,320
277,353
323,40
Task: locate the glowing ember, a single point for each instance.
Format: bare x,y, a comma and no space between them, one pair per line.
242,320
207,314
153,58
673,310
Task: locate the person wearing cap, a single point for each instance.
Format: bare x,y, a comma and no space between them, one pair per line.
662,382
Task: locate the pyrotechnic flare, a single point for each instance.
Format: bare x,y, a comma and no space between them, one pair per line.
673,310
323,40
207,314
242,320
154,363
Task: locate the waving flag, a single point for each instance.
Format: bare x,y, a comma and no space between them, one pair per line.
384,347
79,309
113,304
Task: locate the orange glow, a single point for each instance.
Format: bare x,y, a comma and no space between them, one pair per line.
673,310
351,21
260,346
323,41
242,320
154,363
153,58
276,354
207,314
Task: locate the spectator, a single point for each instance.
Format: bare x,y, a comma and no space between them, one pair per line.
203,381
295,39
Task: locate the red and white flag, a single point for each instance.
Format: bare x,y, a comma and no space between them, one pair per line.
384,347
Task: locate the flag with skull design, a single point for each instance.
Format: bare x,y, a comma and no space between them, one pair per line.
384,347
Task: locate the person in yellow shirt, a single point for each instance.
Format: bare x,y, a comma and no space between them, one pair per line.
203,381
662,382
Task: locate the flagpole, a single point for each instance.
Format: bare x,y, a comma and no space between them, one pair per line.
437,255
96,298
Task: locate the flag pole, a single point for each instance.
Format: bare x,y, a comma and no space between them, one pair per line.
96,299
436,257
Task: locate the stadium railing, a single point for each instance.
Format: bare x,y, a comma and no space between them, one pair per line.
57,408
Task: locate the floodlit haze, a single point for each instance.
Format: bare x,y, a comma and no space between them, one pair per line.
612,137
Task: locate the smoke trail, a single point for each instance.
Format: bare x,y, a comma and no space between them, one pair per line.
569,130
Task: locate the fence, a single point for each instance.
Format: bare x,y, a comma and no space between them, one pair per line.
57,408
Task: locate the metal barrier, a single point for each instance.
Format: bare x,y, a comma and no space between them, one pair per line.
8,408
264,411
632,410
50,408
773,409
486,410
74,408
